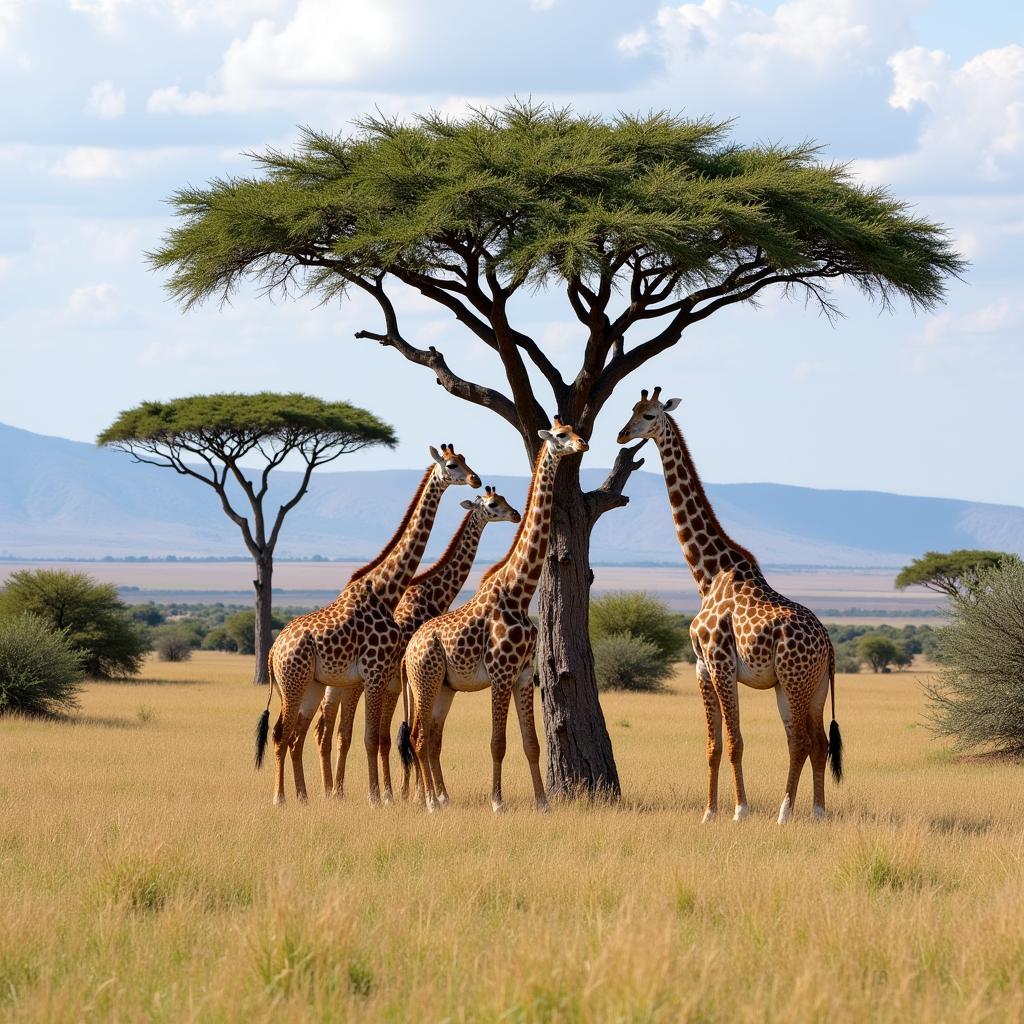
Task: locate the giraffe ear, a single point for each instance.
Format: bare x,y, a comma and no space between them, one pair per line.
672,403
436,455
546,435
467,504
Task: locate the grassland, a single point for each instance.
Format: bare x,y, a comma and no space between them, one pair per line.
147,877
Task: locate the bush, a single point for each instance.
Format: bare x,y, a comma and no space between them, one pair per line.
878,651
978,698
40,670
91,614
173,644
218,639
626,662
643,616
847,663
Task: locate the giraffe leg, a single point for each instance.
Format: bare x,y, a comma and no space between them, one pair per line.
310,699
425,669
442,705
389,702
324,732
713,716
374,687
280,746
501,694
349,702
528,728
819,746
721,663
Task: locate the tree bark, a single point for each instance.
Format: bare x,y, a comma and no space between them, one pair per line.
579,750
264,622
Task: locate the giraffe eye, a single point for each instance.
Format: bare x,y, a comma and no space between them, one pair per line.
453,465
492,505
649,416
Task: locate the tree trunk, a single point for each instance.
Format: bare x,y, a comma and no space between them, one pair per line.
579,749
264,623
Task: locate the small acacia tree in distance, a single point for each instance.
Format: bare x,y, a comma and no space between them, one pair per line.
951,573
209,437
647,226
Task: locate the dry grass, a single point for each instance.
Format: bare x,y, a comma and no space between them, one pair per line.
147,877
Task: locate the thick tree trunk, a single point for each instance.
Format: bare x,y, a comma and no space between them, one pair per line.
264,624
580,755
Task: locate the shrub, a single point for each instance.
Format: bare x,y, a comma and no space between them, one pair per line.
626,662
645,617
173,644
978,698
878,651
94,618
218,639
848,663
40,670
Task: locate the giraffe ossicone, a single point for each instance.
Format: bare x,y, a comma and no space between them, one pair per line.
745,631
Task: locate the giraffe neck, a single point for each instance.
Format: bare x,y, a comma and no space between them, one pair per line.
707,548
521,568
446,578
392,575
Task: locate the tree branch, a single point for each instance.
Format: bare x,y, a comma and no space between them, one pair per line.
609,495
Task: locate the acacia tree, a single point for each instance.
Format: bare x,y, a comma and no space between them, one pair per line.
953,573
648,225
209,437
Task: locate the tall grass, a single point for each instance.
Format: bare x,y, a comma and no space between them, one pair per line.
147,876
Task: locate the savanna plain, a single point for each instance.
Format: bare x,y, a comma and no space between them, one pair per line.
146,876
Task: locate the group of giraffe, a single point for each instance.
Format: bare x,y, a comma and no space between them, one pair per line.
390,634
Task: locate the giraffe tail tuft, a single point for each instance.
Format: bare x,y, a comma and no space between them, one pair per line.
405,751
262,732
835,739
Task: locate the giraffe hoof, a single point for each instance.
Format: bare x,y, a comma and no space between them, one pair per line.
388,800
374,800
709,816
543,806
301,798
444,800
497,806
279,800
819,813
742,812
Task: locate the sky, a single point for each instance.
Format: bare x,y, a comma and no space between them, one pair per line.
107,106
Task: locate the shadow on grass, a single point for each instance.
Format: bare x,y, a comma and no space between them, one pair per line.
105,721
150,681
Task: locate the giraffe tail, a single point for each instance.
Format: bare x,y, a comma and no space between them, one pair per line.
835,739
263,725
404,731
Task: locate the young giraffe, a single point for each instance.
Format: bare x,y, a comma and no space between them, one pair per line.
354,642
429,594
489,641
744,630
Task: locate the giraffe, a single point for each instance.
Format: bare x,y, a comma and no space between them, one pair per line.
353,642
489,641
429,594
745,631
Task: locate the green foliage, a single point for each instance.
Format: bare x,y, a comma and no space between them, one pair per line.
174,643
951,573
206,421
646,618
906,642
626,662
91,614
147,614
878,651
218,639
548,195
40,669
241,630
978,698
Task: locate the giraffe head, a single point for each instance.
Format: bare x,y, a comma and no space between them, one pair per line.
562,439
649,417
451,467
492,507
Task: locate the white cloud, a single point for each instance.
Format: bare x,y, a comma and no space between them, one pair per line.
972,129
542,5
325,43
824,36
89,163
93,304
1000,316
104,12
105,101
107,15
8,19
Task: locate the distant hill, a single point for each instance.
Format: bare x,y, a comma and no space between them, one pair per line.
66,499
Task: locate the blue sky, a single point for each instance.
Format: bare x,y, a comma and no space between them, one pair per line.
107,105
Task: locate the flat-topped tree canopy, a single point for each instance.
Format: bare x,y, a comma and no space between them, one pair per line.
638,218
239,420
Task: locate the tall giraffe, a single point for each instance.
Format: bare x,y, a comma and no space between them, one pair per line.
489,641
354,641
745,631
429,594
